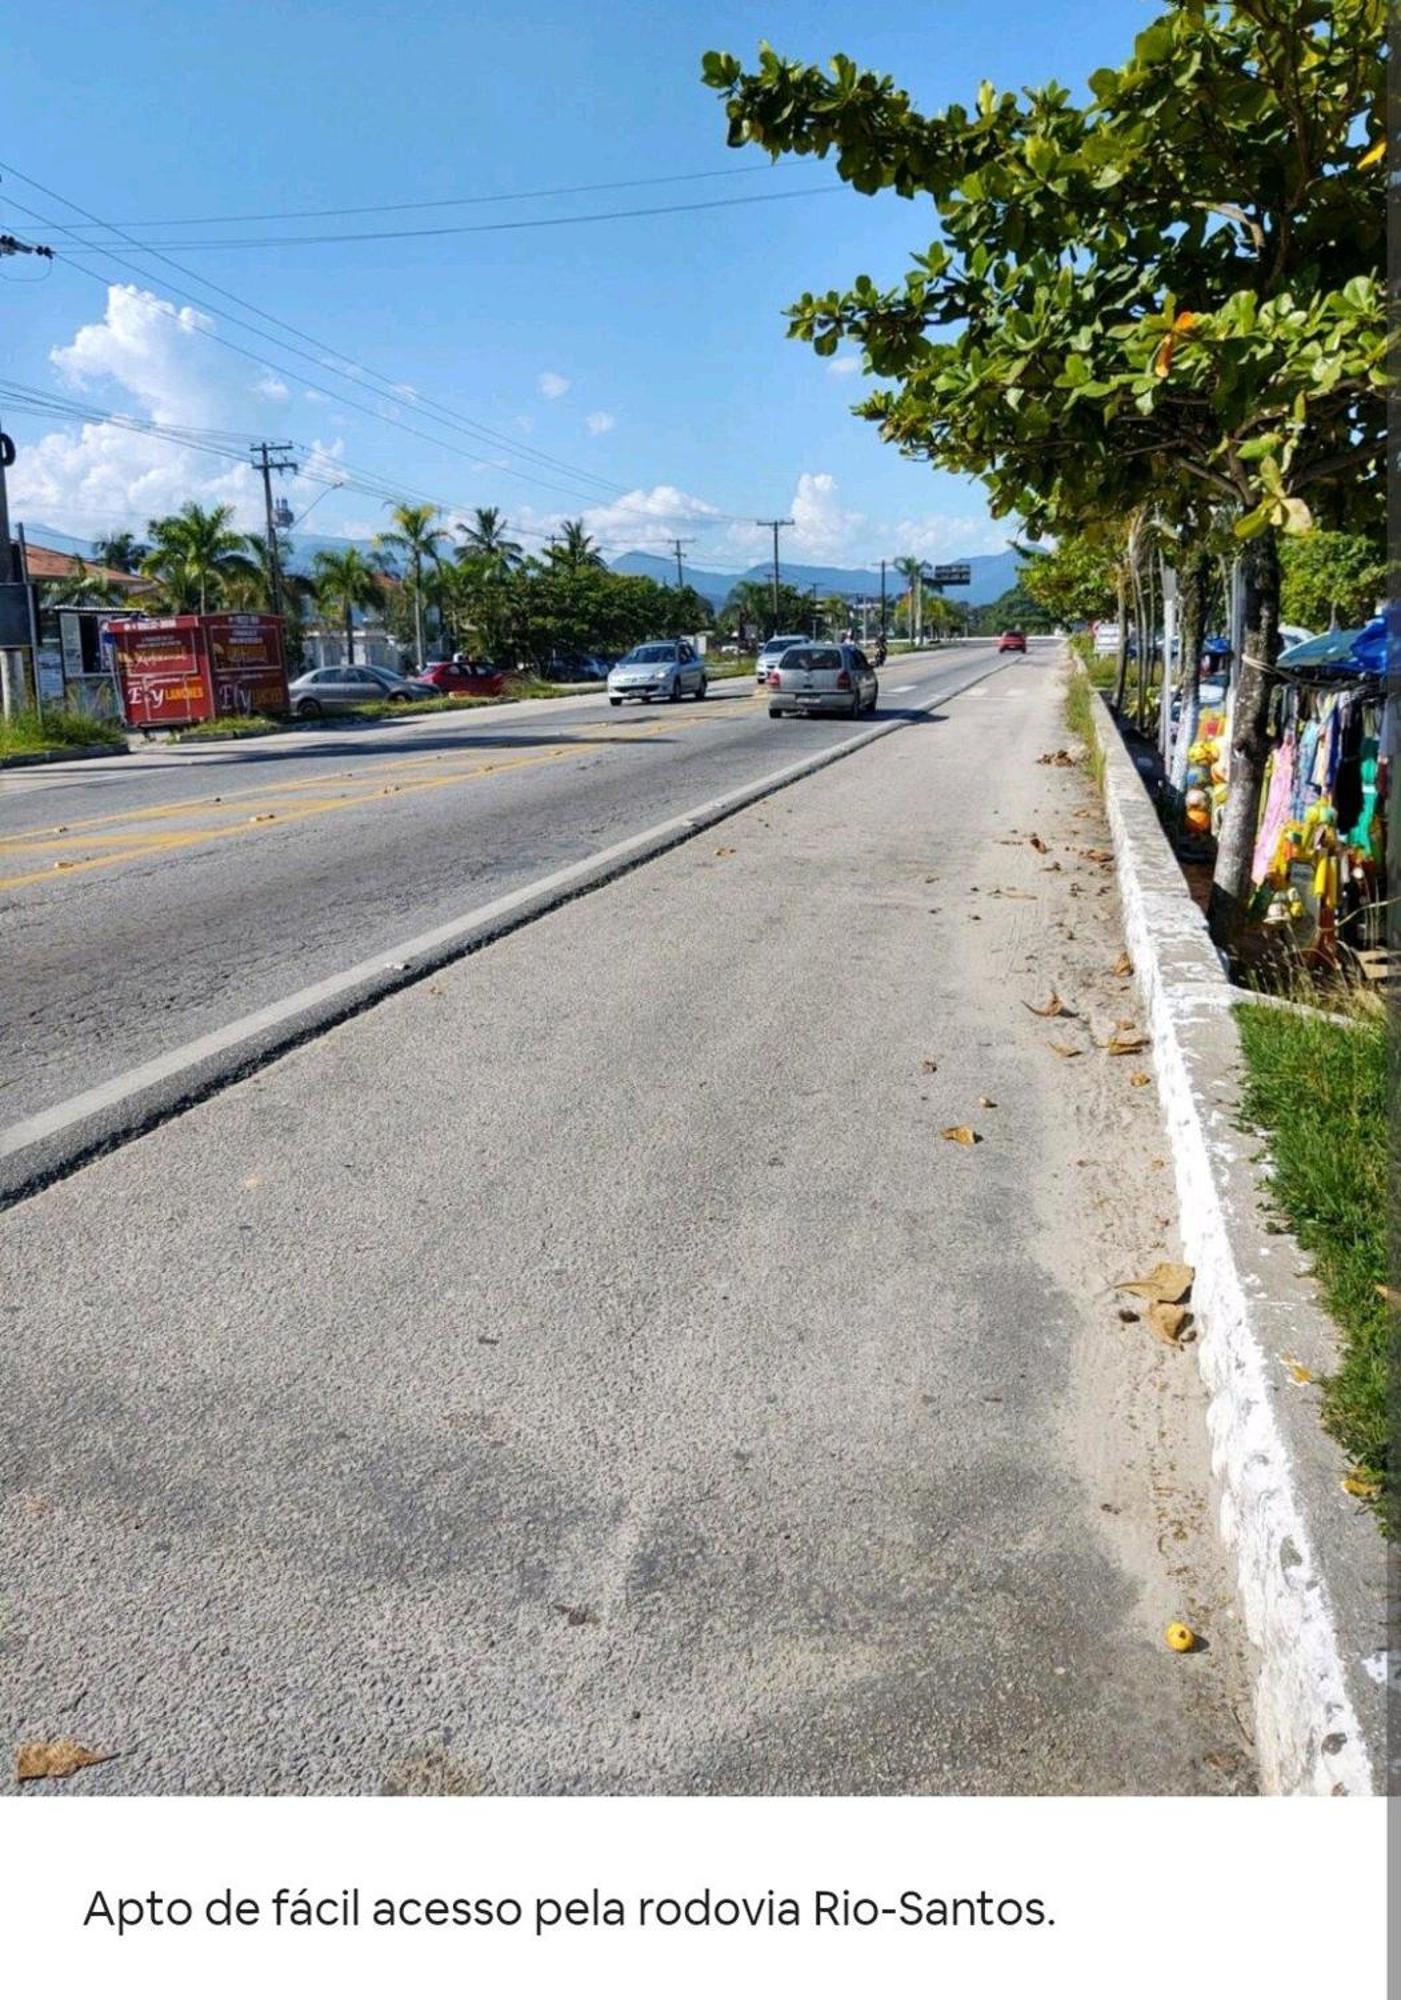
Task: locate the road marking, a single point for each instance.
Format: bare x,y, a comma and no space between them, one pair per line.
376,976
908,688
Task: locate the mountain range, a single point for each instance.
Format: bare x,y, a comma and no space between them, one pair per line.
990,575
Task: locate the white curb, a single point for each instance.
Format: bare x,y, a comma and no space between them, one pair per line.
1310,1564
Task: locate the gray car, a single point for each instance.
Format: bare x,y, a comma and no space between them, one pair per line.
660,670
328,690
823,680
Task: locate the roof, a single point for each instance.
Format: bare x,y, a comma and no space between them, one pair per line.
49,565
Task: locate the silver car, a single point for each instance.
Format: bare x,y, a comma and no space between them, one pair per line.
823,680
772,651
660,670
329,690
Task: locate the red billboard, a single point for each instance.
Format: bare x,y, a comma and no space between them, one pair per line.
163,670
246,664
197,668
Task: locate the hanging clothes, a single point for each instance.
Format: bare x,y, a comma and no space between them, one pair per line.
1278,810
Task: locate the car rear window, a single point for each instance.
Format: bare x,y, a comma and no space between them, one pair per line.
812,659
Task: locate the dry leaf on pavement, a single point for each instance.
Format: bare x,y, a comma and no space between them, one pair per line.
962,1135
988,1103
1120,1044
721,851
1122,965
928,1066
1167,1321
1053,1007
59,1758
1168,1284
1063,1049
1140,1077
1296,1369
1038,843
1360,1486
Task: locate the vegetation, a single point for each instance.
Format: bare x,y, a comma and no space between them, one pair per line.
1331,579
1080,697
1076,582
198,559
1160,302
1318,1089
56,729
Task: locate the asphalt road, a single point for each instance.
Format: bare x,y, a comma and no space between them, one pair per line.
146,901
590,1369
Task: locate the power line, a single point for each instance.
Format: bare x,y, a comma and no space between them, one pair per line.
446,201
775,525
469,228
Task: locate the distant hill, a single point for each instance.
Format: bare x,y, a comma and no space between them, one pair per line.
991,576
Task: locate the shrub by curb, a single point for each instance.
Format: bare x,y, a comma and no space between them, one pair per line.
1310,1564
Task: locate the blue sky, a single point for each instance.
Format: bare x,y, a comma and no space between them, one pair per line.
645,356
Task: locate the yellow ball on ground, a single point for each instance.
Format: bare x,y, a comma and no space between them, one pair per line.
1181,1638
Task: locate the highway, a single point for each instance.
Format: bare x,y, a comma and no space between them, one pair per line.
148,901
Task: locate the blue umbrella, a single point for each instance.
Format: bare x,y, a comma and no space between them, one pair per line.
1369,647
1329,649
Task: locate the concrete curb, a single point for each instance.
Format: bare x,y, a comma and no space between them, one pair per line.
78,753
1310,1564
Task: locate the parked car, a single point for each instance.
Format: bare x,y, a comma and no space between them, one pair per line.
1012,642
822,680
662,669
772,651
327,690
566,666
461,676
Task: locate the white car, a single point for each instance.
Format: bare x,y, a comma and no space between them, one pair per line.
772,651
660,670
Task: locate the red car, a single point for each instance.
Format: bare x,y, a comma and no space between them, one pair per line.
1012,642
461,676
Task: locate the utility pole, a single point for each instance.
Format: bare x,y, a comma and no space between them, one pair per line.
882,597
775,525
270,458
678,543
12,693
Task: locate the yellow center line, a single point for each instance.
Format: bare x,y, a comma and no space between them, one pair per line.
140,844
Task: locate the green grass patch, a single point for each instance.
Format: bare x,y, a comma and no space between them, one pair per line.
228,726
1318,1090
56,729
1081,698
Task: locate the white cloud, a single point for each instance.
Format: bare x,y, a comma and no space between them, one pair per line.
946,537
552,385
844,364
145,359
272,387
599,421
645,517
314,396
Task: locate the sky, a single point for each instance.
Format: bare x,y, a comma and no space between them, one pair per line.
633,370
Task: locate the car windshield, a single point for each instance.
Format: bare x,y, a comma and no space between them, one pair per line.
647,656
781,645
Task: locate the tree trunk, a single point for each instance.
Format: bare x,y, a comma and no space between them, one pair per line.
1121,666
1231,886
1193,583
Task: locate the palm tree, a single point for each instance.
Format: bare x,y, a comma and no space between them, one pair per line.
485,536
912,569
342,581
414,537
575,548
196,555
119,551
83,587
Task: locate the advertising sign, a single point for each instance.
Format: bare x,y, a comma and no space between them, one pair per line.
246,663
161,665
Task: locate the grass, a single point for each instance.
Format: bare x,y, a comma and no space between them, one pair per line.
56,729
231,725
1318,1089
1080,699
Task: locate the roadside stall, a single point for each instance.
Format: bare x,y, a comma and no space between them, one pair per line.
196,667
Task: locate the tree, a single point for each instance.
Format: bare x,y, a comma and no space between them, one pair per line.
1075,581
343,583
120,551
1167,296
575,548
750,607
1331,578
197,557
485,537
414,539
85,587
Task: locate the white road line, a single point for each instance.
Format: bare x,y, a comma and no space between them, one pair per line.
908,688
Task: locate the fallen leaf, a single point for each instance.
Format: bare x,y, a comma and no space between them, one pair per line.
1361,1485
261,819
1038,843
577,1614
1139,1078
1129,1316
1063,1049
57,1759
1096,854
962,1135
1051,868
720,852
65,864
1054,1006
1392,1298
928,1066
1120,1044
1167,1321
1166,1283
988,1103
1122,965
1296,1370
